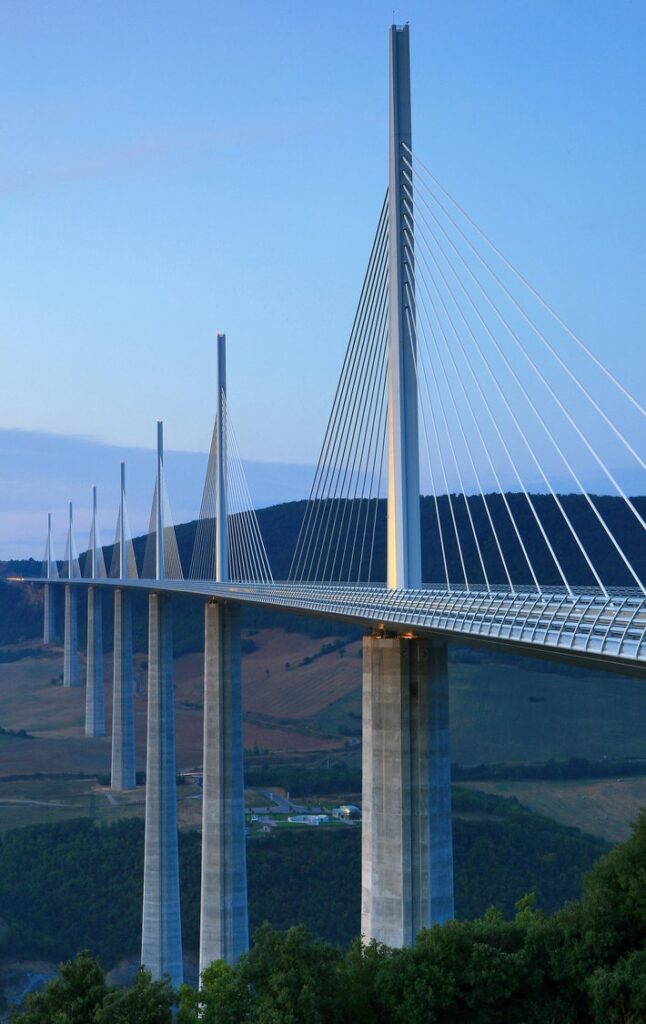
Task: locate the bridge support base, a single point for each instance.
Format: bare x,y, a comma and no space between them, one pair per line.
407,849
70,648
161,943
94,693
123,774
224,929
49,614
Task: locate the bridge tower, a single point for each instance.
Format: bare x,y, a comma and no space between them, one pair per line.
404,552
407,855
94,692
71,632
161,942
224,930
123,772
49,625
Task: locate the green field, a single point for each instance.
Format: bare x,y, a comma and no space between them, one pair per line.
512,710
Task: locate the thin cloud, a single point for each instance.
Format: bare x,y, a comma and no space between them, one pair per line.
123,158
106,162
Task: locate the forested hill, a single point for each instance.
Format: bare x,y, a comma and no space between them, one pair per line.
280,525
20,610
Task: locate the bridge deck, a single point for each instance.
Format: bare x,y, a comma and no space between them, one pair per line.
584,627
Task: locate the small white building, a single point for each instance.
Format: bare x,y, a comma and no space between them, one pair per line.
347,812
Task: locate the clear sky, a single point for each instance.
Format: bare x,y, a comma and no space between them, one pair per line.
172,169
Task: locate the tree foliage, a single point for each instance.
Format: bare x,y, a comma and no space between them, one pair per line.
146,1002
75,884
72,998
583,964
80,996
222,999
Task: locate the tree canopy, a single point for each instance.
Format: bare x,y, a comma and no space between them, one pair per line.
583,964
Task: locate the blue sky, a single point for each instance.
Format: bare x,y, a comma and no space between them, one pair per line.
168,170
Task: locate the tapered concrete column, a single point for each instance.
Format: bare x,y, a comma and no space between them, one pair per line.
433,675
161,944
94,692
224,928
123,774
71,643
49,614
407,852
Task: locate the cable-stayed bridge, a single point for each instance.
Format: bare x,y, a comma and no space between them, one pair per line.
461,383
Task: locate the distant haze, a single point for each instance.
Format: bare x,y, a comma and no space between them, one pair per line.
41,472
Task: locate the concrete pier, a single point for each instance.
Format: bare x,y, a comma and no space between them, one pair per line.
407,849
94,692
49,614
161,944
70,648
224,929
123,775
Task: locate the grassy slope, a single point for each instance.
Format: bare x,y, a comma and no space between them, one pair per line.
504,709
602,807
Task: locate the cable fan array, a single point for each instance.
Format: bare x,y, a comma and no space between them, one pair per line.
71,551
91,569
247,557
124,530
514,427
511,399
172,561
344,516
49,567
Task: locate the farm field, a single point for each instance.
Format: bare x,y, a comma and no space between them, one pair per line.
302,697
602,807
277,683
45,801
31,698
39,801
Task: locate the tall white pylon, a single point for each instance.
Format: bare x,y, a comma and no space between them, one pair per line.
123,560
407,846
95,547
70,645
51,572
221,523
94,692
71,553
159,525
404,539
